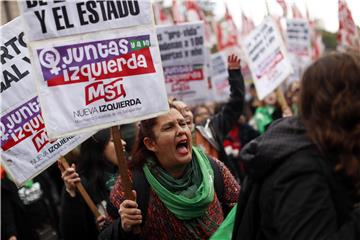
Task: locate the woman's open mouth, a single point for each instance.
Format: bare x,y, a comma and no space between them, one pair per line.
182,147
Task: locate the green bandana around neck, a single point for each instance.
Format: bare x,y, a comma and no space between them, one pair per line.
189,196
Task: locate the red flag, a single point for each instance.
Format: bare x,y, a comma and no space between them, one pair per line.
247,24
226,31
283,5
162,15
177,15
296,12
317,46
194,13
348,34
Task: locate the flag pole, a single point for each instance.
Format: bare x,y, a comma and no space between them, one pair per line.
267,8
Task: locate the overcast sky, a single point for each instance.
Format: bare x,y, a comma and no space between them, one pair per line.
326,10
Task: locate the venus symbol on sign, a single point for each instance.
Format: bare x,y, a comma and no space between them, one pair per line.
50,58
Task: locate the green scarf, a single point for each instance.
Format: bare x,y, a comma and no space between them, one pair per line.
263,117
225,230
189,196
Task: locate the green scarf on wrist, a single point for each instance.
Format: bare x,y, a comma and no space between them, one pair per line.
189,196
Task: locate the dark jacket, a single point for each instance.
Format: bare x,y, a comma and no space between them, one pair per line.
221,123
292,191
30,214
76,220
239,136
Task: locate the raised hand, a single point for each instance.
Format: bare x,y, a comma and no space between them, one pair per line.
233,62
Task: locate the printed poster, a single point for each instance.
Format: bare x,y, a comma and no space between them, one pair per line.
98,80
183,55
50,19
25,146
220,77
267,58
298,37
298,46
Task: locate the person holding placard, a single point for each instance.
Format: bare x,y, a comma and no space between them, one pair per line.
97,167
303,173
182,196
210,135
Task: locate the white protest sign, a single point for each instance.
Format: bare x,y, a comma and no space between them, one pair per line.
49,19
99,80
181,43
267,58
220,77
25,147
298,37
14,76
183,56
299,46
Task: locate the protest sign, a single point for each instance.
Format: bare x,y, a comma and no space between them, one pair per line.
49,19
181,43
97,63
220,77
266,56
16,82
25,147
298,37
183,54
298,46
97,80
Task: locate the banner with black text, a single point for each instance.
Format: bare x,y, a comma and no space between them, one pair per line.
26,149
220,77
183,57
50,19
267,57
299,46
99,79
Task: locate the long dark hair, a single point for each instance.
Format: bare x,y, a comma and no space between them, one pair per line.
92,163
330,104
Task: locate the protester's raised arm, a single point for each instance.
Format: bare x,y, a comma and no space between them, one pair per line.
223,121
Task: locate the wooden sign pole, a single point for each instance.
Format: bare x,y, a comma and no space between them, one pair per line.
123,169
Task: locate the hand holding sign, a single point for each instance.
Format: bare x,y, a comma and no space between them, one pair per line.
64,166
70,178
130,215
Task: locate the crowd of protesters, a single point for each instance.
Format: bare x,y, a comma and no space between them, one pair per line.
291,177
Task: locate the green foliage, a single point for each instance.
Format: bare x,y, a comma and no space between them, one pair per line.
329,40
